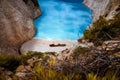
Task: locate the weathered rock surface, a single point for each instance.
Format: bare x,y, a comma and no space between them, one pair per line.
108,8
16,23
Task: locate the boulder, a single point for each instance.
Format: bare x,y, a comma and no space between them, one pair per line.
16,24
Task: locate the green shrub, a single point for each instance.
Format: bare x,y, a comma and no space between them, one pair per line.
11,62
79,50
8,61
103,29
23,58
50,53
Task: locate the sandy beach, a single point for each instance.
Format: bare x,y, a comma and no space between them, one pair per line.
43,45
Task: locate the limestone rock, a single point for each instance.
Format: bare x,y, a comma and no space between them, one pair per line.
108,8
20,74
16,24
32,60
111,45
21,68
28,68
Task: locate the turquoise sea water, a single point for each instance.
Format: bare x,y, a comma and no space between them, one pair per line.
62,19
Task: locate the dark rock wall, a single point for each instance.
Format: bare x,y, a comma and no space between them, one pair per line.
16,24
33,7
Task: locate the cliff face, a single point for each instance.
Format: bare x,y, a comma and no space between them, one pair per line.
16,23
108,8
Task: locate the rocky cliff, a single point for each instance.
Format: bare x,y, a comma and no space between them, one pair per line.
108,8
16,23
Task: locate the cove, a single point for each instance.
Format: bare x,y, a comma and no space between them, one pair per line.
62,19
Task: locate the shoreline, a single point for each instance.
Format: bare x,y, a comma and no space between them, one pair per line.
43,45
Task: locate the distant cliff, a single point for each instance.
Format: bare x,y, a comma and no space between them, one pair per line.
108,8
16,23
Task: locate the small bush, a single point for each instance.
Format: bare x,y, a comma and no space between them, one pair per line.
11,62
79,50
50,53
103,29
23,58
8,61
